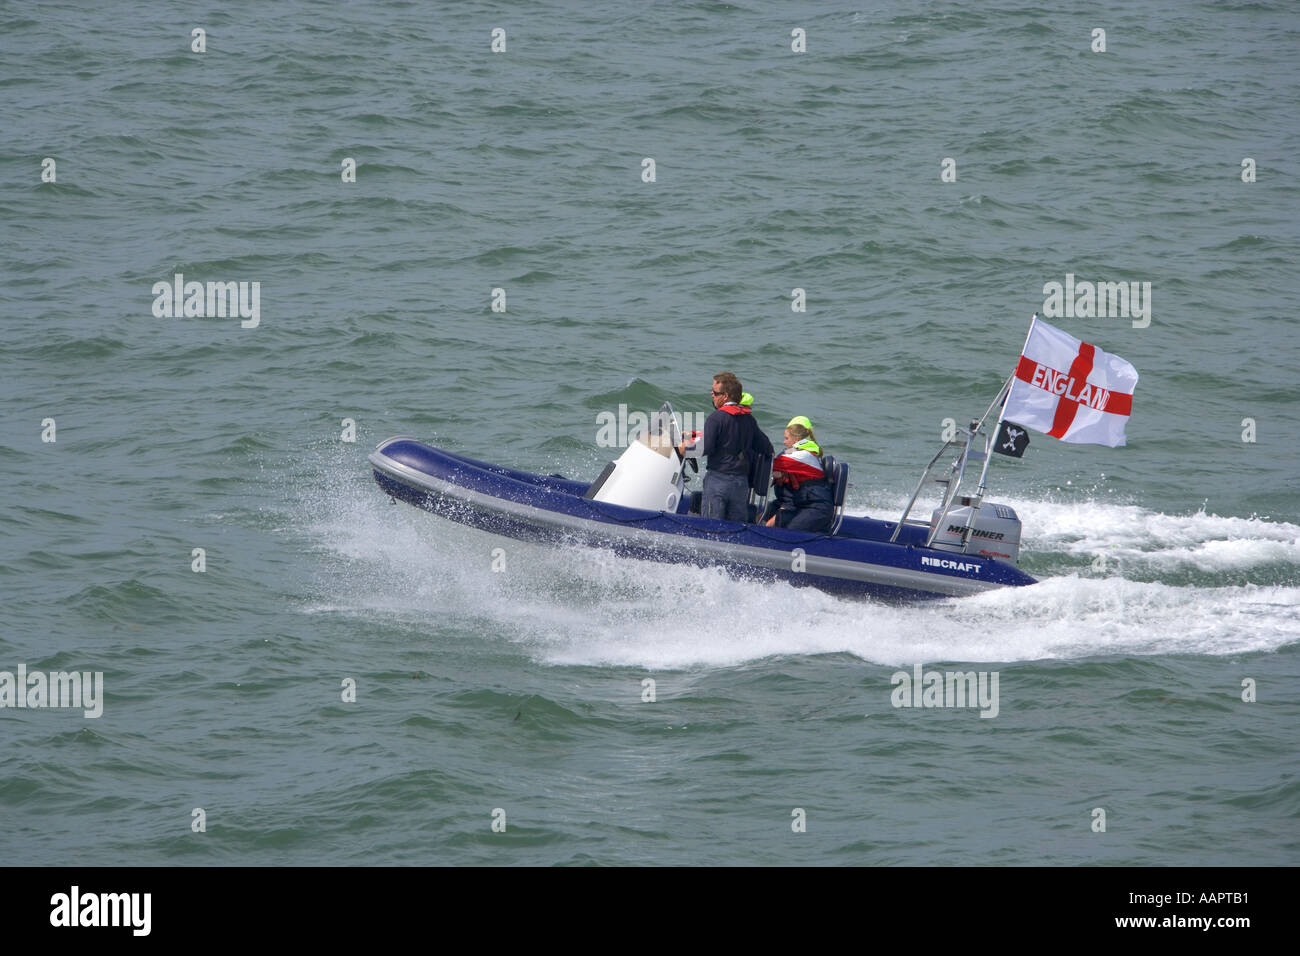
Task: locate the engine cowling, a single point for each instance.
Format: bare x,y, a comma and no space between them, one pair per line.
995,533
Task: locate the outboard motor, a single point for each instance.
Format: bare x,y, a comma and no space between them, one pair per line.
995,534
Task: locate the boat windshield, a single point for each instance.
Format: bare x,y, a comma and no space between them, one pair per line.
663,434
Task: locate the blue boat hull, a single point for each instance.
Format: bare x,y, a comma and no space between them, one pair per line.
859,559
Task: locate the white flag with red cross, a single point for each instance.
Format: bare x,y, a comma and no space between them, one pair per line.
1069,389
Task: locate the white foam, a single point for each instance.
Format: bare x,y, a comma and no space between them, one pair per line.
1208,541
1135,536
586,607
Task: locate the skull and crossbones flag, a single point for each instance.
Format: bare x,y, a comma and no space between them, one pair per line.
1012,440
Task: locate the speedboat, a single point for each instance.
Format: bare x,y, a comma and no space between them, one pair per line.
640,507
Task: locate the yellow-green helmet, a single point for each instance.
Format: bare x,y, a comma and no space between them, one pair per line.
800,420
746,398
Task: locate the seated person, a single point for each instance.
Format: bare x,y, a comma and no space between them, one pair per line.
803,500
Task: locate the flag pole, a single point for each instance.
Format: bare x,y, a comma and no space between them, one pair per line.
959,465
1003,392
1001,397
997,426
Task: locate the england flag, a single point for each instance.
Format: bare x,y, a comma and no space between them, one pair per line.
1069,389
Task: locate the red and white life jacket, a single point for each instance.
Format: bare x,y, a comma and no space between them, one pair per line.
800,463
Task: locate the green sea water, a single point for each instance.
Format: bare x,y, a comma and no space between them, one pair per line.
1169,569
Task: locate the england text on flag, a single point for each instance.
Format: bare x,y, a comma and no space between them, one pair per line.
1069,389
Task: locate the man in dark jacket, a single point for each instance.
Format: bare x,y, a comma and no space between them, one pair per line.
731,441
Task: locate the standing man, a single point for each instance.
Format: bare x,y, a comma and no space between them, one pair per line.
731,441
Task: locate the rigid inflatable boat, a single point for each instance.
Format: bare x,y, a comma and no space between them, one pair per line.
640,507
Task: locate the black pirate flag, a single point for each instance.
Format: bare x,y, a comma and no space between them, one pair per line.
1012,440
